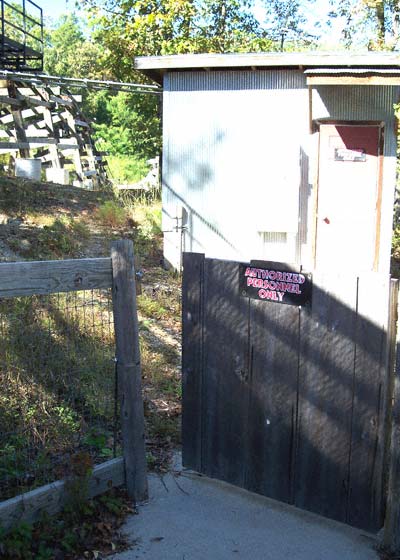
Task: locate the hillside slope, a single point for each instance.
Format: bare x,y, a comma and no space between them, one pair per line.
41,221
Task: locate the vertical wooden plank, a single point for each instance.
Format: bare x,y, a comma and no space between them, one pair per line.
129,370
327,353
53,132
192,358
74,134
365,505
272,426
18,121
391,532
225,381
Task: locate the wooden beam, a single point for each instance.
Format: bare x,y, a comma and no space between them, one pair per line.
337,80
15,146
47,277
62,146
18,122
391,531
32,101
129,369
6,100
36,143
30,506
83,124
68,116
48,119
61,101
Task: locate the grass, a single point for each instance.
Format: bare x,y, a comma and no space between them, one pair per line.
111,214
54,238
395,265
159,314
58,381
145,218
58,372
126,170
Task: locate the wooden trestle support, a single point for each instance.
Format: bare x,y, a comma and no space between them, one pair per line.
46,123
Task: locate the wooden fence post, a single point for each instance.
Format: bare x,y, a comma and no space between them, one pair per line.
129,370
391,531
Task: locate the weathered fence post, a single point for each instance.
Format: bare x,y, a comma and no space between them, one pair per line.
391,532
129,370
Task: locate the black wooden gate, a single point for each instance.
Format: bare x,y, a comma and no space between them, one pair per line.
285,401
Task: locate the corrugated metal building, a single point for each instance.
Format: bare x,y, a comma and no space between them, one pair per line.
283,157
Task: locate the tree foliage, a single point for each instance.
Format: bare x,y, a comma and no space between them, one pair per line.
370,23
128,124
286,24
70,53
124,29
130,28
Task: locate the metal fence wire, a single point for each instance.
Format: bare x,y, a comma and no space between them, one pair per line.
58,387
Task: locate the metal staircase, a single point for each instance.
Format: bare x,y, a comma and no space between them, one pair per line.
21,39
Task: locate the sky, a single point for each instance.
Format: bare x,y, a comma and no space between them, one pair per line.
55,8
317,12
314,12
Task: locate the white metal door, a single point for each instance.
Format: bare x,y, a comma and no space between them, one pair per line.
347,196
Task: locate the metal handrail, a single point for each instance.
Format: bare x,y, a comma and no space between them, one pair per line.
23,53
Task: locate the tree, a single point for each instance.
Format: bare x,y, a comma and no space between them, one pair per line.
129,28
70,53
370,23
228,26
285,24
132,28
128,124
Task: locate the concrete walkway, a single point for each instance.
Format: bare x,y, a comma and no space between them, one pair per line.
189,517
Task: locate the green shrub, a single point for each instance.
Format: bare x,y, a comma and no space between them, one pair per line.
80,229
56,239
126,169
62,238
111,214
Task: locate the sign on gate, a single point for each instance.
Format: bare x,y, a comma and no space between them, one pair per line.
274,282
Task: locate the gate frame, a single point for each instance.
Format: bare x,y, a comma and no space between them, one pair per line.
21,279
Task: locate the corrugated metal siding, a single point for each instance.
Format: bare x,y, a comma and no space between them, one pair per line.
367,103
359,103
234,80
231,157
239,158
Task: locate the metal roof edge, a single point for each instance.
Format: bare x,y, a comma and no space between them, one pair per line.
157,66
214,60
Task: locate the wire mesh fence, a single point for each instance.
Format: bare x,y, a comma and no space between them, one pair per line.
58,402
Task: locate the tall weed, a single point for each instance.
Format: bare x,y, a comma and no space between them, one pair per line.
111,214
